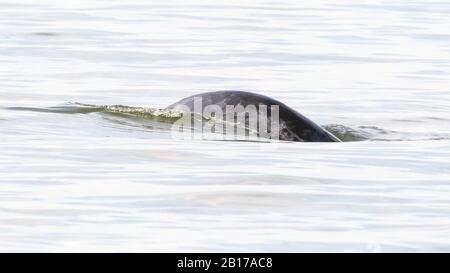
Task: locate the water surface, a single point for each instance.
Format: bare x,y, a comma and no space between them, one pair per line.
88,178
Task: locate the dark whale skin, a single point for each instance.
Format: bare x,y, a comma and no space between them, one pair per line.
293,125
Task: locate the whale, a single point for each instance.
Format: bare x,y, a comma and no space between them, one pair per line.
293,126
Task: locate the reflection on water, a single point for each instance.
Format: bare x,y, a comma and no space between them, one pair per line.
106,175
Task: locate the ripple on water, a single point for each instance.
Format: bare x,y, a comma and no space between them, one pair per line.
140,116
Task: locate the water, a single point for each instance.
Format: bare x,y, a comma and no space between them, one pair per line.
85,178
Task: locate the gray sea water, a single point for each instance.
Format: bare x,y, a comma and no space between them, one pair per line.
76,177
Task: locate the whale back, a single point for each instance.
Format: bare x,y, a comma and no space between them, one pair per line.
292,127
